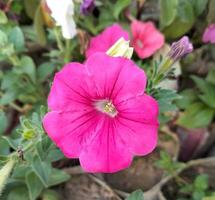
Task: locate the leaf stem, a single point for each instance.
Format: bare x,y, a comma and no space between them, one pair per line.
58,40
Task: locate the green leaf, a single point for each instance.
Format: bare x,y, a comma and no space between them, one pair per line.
3,122
50,195
197,115
16,37
168,11
188,96
207,91
201,182
20,171
165,99
3,17
198,195
185,20
34,185
119,6
211,76
54,155
39,27
43,147
42,170
7,98
211,12
209,198
3,39
167,163
31,7
199,6
27,66
18,193
13,143
4,148
45,70
136,195
57,177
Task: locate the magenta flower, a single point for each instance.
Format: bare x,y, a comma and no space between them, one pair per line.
103,41
146,38
209,34
180,48
100,113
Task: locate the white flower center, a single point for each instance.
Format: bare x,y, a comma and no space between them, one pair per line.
106,107
140,44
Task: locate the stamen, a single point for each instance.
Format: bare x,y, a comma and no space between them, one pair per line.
106,107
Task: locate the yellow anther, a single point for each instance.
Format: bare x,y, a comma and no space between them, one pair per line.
109,108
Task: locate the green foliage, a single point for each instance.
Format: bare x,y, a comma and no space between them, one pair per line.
196,190
196,115
136,195
3,122
199,6
16,37
165,97
199,105
210,197
3,18
185,20
31,7
34,185
186,98
50,195
180,13
168,11
211,12
168,164
39,27
35,171
119,6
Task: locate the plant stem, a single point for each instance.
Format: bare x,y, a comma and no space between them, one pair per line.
16,107
58,39
67,52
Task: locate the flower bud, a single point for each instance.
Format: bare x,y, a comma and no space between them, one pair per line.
28,134
5,173
180,48
121,48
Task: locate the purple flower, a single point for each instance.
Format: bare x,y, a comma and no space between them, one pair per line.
209,34
180,48
86,6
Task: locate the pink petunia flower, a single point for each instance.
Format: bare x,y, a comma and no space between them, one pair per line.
103,41
209,34
146,38
100,113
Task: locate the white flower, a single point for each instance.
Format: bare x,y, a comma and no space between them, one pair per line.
120,48
62,11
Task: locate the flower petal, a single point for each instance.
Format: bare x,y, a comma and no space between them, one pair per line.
70,89
137,124
146,38
209,34
70,130
103,41
106,152
115,78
